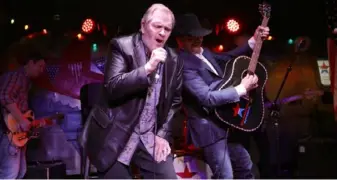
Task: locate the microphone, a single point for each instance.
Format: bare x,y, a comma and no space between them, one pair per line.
159,51
158,72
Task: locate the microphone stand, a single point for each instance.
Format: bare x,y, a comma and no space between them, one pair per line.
274,117
275,112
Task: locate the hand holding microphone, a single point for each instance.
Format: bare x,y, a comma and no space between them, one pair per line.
158,56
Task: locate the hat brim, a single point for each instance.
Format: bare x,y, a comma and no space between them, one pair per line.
195,32
200,32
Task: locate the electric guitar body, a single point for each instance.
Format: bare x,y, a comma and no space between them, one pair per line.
20,138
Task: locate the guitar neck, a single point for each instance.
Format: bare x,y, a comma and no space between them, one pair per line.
45,121
257,48
285,100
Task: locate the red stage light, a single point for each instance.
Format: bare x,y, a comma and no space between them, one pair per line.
88,25
232,25
220,48
80,36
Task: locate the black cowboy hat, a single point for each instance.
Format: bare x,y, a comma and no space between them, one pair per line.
189,25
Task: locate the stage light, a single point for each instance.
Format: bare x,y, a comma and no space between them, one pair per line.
12,21
232,25
88,25
79,36
44,31
220,48
26,27
270,38
290,41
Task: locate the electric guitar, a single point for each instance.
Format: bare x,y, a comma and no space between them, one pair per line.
19,138
307,94
251,105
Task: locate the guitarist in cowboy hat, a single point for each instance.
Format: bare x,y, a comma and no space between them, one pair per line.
202,72
14,87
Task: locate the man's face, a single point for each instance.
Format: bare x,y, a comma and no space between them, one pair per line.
34,69
157,30
191,44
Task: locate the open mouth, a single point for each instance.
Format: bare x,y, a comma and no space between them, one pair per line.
159,41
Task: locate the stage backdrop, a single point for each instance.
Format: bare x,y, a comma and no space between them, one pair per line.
72,71
72,63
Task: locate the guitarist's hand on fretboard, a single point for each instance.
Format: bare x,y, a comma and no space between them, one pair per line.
37,123
41,123
24,125
261,32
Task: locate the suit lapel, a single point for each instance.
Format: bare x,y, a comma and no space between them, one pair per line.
168,78
168,73
211,59
195,62
139,51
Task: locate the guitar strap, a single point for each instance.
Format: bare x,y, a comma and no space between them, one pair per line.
3,126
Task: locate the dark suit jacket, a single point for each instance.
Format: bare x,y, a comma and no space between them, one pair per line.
112,121
199,95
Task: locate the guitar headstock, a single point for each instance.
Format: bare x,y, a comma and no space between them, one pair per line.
312,94
57,116
265,9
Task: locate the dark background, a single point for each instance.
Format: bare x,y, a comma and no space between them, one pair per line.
289,18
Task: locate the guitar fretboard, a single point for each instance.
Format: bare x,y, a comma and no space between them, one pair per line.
257,48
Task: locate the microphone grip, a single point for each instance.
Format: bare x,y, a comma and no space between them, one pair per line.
158,72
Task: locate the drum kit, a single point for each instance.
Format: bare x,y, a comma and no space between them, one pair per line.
188,161
190,166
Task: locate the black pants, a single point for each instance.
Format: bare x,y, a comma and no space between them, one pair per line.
149,169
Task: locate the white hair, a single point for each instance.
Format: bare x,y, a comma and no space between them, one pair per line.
157,7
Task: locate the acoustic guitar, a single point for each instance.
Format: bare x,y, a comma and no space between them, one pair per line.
19,138
253,103
307,94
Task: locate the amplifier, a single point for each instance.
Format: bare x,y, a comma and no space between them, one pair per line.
317,158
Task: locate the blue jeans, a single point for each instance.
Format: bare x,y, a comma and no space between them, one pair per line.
12,159
228,161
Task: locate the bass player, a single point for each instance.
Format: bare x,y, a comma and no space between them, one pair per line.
202,72
14,87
